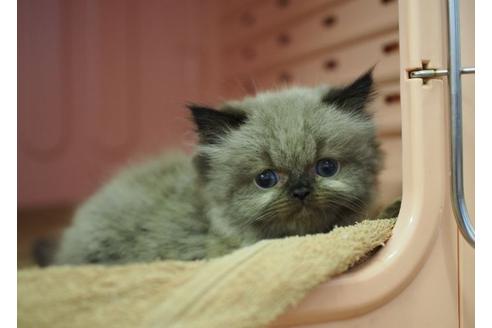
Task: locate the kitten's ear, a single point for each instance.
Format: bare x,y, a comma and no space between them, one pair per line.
213,124
354,97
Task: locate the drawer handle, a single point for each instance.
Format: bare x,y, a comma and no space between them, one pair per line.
247,19
391,47
283,39
285,77
385,2
330,65
282,3
248,53
392,98
329,21
249,86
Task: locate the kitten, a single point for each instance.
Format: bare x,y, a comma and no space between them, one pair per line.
291,162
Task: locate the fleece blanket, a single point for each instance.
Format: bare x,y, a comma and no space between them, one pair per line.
247,288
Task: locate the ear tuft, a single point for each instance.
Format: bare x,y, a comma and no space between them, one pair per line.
354,97
213,124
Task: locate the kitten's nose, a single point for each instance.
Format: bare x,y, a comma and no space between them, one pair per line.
301,193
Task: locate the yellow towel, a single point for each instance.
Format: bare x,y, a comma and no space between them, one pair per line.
247,288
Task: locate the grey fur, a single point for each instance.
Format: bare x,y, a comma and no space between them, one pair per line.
175,208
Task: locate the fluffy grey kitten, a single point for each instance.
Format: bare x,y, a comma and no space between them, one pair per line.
291,162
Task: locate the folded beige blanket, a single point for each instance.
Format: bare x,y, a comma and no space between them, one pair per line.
247,288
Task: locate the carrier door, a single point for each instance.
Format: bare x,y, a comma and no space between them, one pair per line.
424,276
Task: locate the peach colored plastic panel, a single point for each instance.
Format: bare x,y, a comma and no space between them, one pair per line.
327,28
426,25
467,253
420,304
422,219
413,280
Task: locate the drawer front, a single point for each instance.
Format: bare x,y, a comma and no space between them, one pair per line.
255,17
339,66
323,30
385,107
387,110
230,7
390,181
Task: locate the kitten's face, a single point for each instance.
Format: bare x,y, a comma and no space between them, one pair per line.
292,162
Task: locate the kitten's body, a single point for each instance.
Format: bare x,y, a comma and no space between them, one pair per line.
149,211
176,208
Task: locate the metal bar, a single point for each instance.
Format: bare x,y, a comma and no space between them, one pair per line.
454,80
433,73
428,73
468,70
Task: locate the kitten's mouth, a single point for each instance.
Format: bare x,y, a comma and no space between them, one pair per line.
303,208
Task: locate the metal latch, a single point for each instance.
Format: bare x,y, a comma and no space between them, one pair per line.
427,73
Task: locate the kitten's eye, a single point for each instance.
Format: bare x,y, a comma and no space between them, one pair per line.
266,179
327,167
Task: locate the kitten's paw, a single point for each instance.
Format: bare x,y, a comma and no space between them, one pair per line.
391,211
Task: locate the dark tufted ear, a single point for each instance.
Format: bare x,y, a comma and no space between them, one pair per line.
213,124
354,97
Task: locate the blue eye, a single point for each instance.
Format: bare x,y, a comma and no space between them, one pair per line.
327,167
266,179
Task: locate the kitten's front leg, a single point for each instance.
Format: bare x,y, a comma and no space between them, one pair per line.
390,211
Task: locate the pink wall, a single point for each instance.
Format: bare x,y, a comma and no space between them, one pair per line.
105,81
101,82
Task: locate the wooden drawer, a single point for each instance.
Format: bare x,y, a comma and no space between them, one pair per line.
390,181
386,106
255,17
238,87
339,66
387,110
332,68
325,29
230,7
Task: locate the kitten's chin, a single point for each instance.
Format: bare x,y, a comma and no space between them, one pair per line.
298,220
303,212
301,218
